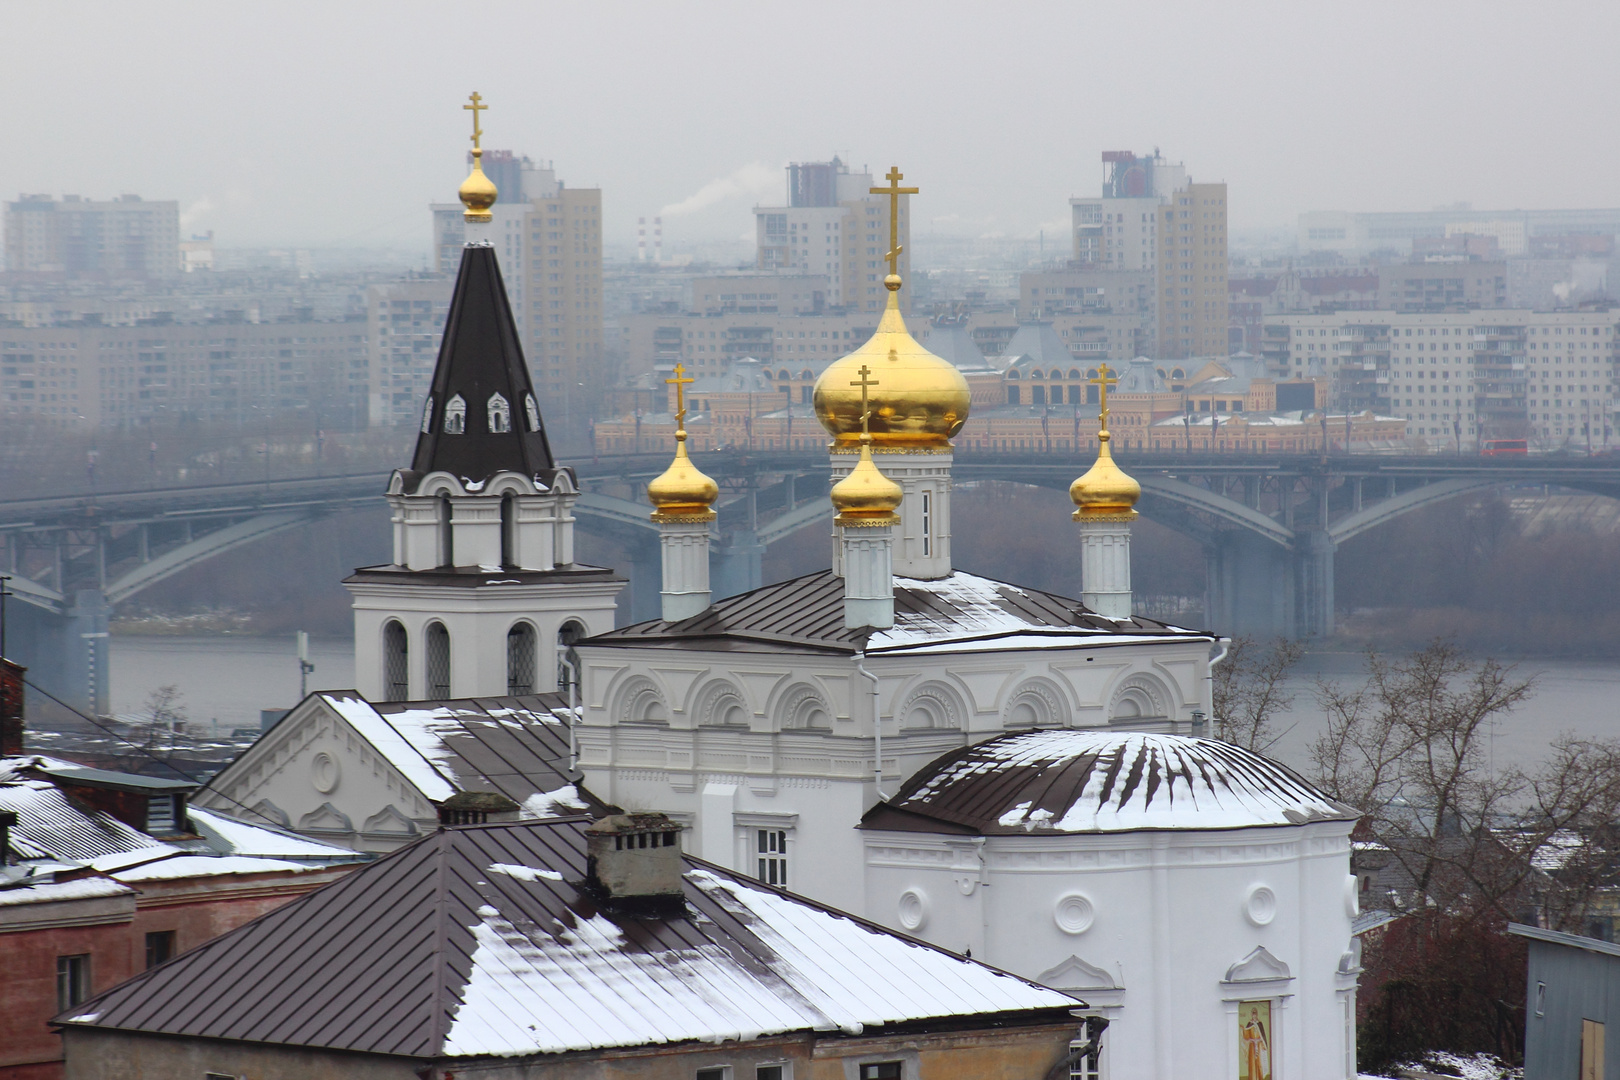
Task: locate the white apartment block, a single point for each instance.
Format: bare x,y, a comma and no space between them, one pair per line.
127,235
405,320
835,228
1548,376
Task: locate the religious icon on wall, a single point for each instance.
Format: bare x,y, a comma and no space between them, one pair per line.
1254,1040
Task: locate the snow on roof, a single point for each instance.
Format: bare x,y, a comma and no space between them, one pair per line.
972,608
491,928
193,866
402,753
229,836
1087,781
50,825
46,892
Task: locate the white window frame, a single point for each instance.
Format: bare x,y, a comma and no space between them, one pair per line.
748,828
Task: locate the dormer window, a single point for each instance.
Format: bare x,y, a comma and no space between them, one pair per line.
455,416
427,415
533,412
500,414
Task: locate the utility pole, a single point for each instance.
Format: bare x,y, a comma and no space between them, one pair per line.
304,666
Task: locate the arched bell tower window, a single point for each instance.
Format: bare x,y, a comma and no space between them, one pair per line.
427,415
438,662
396,662
520,660
500,414
533,412
455,416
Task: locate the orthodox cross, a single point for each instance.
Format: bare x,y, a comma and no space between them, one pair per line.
476,106
893,191
864,382
1102,380
679,382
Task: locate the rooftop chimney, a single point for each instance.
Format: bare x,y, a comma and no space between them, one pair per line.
11,708
634,863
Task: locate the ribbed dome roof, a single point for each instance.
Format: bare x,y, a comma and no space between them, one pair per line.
1089,781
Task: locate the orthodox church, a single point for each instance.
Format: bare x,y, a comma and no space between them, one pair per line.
999,770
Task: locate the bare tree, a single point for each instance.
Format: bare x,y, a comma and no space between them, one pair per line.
1250,689
160,728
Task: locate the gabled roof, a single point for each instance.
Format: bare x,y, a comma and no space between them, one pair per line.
1040,343
52,826
949,339
513,746
807,613
480,941
479,356
1079,780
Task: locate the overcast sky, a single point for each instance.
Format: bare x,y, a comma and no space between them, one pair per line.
335,123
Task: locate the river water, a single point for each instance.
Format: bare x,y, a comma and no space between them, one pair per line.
228,679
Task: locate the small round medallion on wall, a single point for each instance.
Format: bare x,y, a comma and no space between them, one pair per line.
1261,905
1074,913
1352,895
325,772
913,909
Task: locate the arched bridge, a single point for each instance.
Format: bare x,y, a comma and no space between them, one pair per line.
1269,526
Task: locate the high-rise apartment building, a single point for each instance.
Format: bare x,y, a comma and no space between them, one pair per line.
127,235
549,238
1151,217
404,321
833,226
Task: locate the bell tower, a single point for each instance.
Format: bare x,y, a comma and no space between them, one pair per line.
483,591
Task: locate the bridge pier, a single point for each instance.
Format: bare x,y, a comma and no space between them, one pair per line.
738,564
640,599
1316,584
65,654
1249,587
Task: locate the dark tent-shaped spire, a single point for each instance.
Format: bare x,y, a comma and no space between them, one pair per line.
481,417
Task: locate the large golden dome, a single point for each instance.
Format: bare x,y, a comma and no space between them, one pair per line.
477,192
1105,489
917,399
866,496
683,491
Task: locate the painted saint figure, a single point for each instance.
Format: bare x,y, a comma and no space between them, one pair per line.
1254,1040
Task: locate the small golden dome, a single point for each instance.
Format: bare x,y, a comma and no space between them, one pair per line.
1105,488
478,192
683,491
917,399
866,496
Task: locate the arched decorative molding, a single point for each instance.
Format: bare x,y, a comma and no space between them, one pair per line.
532,412
721,704
563,483
802,708
455,416
440,483
500,414
388,823
932,705
639,701
1036,703
1075,974
1258,967
1139,698
272,813
510,483
326,818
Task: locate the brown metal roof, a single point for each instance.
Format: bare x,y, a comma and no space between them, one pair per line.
1089,780
480,940
808,613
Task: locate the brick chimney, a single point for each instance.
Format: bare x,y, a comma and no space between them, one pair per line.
634,863
11,708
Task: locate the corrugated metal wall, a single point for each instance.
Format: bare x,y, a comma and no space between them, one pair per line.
1568,985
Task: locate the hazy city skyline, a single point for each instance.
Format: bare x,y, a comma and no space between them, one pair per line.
336,126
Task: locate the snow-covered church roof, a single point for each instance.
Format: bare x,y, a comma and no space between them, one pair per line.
1091,781
955,613
480,941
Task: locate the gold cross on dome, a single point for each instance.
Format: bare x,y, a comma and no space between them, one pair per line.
864,382
894,191
1102,380
476,107
679,382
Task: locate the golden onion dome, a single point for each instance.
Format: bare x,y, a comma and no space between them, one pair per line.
917,399
866,496
1105,488
478,192
683,491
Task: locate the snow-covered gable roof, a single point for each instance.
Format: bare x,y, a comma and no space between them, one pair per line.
1088,781
51,826
229,836
480,941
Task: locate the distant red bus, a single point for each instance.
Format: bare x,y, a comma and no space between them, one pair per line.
1504,447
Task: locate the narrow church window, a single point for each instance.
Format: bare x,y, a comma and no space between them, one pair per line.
455,416
438,662
771,845
927,516
447,535
396,667
427,415
520,659
533,412
508,532
500,414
